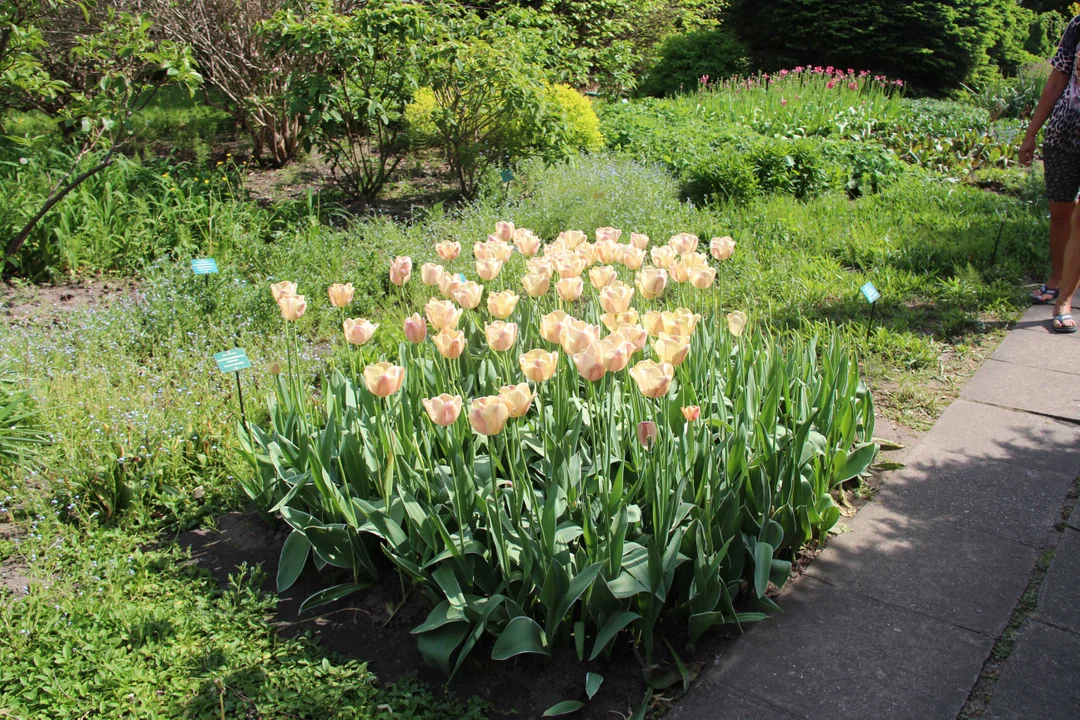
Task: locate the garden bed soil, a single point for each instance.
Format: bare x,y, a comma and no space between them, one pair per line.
46,304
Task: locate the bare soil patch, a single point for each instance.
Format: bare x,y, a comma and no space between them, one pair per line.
47,304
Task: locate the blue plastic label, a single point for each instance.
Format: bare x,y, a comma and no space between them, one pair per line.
232,360
204,266
506,176
870,292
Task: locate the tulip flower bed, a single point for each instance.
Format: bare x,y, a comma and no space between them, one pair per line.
589,489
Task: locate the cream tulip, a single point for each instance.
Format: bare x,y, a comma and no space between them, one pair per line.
442,314
384,379
606,251
502,304
633,258
616,297
292,307
590,363
401,270
468,295
501,336
672,348
488,415
541,266
615,352
691,412
678,272
570,289
443,409
679,321
448,251
613,321
634,334
736,322
359,331
489,268
450,343
587,253
684,243
340,295
483,251
517,398
651,282
430,273
501,251
653,379
608,233
602,276
553,325
702,277
663,256
653,322
504,230
536,285
639,241
721,248
281,289
569,265
572,238
527,243
579,335
415,328
539,365
448,285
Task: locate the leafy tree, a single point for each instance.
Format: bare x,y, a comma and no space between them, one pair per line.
22,76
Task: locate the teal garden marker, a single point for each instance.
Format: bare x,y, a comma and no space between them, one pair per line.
233,361
872,296
507,176
204,266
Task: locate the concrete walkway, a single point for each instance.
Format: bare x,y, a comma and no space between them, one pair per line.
897,618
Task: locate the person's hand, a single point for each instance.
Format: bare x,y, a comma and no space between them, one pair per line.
1027,151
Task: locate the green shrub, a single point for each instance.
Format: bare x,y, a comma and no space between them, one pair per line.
581,132
723,176
685,59
419,119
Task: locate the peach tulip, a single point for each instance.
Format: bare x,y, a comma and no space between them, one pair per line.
613,321
694,260
608,233
587,253
415,328
527,243
606,251
653,322
639,241
448,285
647,434
536,285
483,250
401,270
501,304
359,331
702,277
602,276
517,398
501,336
672,348
281,289
736,322
504,231
384,379
663,256
541,266
653,379
590,363
468,294
633,258
448,251
488,415
684,243
691,413
450,343
615,352
442,314
651,282
572,238
501,251
569,265
443,409
570,289
430,273
539,365
340,295
553,325
721,248
488,269
616,297
579,335
634,334
292,307
555,247
679,272
679,321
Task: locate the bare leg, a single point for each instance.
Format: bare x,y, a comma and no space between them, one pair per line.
1060,218
1070,279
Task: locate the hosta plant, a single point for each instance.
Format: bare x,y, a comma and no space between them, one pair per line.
554,459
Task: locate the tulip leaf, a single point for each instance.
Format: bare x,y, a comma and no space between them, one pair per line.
592,683
564,708
521,635
330,594
857,462
441,614
438,645
332,543
763,553
294,555
611,627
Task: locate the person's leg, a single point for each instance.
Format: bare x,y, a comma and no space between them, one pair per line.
1060,228
1062,176
1070,278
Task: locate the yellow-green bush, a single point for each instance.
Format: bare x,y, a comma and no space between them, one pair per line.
420,120
582,124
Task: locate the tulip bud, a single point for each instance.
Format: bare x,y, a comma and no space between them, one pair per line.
358,332
536,285
449,284
415,328
679,272
443,409
502,304
647,434
570,289
448,251
517,398
401,270
450,343
384,379
340,295
653,379
616,297
590,363
430,273
539,365
736,322
488,269
639,241
722,248
684,243
501,336
468,295
488,415
281,289
292,307
442,314
602,276
691,413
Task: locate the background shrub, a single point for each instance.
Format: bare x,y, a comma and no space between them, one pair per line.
684,59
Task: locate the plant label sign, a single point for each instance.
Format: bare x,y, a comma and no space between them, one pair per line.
232,360
204,266
506,176
870,293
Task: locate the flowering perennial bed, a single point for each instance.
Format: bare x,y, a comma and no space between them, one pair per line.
589,489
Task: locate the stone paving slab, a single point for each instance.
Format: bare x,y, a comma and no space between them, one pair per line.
711,700
1041,678
835,654
1039,350
991,496
985,431
1059,598
1021,388
1037,319
887,557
